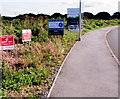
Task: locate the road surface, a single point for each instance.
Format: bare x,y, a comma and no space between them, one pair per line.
90,70
114,42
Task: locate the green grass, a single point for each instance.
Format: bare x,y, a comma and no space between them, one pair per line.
92,24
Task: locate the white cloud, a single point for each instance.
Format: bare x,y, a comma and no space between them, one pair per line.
109,6
14,7
39,1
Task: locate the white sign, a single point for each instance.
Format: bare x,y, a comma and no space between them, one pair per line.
73,28
73,12
26,35
56,24
73,15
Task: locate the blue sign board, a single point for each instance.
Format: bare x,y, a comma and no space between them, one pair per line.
73,15
56,27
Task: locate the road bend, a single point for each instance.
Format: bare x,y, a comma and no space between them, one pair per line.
90,70
113,41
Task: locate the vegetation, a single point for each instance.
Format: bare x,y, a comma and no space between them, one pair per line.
92,24
29,69
32,65
85,15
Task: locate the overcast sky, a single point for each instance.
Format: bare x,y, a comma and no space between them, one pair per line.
14,7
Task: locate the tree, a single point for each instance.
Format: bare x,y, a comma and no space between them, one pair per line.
57,15
88,15
102,15
116,15
6,18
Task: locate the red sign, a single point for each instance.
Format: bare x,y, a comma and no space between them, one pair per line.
26,35
6,42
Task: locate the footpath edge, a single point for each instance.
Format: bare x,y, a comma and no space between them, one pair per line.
108,46
49,93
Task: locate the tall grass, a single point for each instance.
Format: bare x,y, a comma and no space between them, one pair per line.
92,24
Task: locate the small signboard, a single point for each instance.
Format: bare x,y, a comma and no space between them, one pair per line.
56,27
26,35
73,15
6,42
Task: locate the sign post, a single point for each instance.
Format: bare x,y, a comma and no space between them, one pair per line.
80,26
73,19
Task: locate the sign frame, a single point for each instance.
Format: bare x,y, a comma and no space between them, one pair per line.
73,15
56,27
7,42
26,35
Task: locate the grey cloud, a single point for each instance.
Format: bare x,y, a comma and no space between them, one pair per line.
88,6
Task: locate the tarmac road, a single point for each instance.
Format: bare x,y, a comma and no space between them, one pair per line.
90,70
114,42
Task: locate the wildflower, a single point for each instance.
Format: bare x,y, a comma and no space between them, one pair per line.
107,23
64,39
14,20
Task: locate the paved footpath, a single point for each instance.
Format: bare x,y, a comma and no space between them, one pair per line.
90,70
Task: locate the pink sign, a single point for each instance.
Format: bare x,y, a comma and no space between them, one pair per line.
6,42
26,35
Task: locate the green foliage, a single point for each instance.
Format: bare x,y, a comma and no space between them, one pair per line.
14,80
38,27
92,24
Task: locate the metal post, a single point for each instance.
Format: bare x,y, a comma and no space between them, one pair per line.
80,34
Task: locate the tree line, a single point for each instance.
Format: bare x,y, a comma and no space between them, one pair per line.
101,15
85,15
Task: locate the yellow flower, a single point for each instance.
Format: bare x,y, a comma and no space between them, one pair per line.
64,39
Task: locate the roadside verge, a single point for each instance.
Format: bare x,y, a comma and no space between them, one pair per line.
60,70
